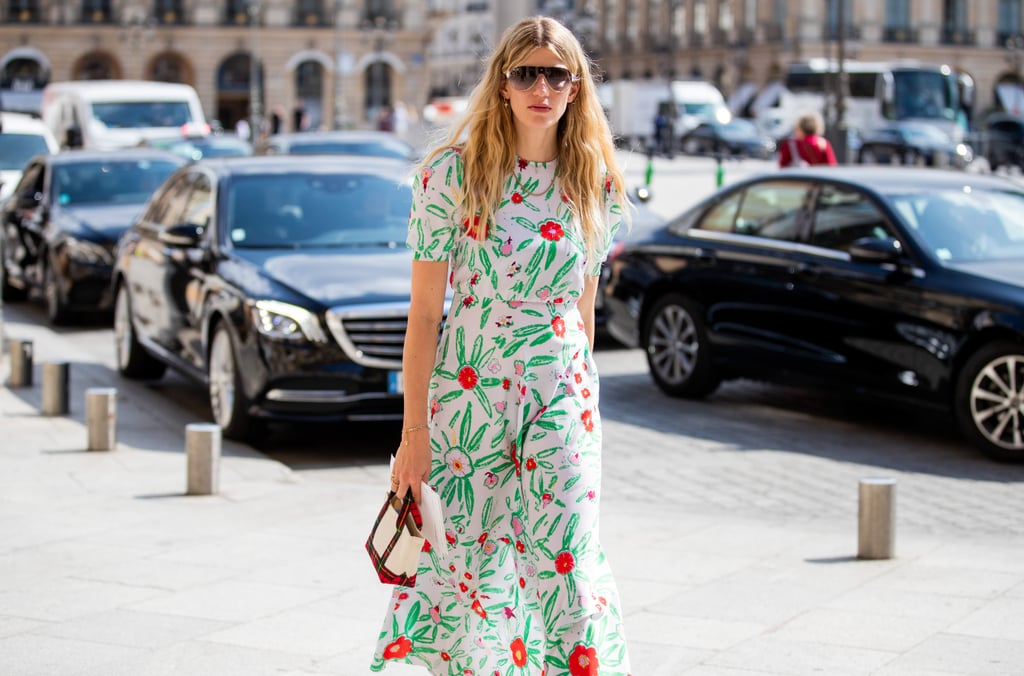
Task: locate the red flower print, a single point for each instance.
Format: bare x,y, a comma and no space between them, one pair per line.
479,609
482,539
585,392
583,661
518,649
558,326
427,173
564,562
463,587
468,377
401,647
522,583
588,421
608,184
517,198
565,198
522,164
531,464
546,499
445,656
467,301
506,383
450,537
552,231
578,377
520,547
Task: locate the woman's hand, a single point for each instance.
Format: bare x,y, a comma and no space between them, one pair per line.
412,463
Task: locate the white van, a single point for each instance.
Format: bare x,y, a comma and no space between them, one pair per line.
22,137
111,114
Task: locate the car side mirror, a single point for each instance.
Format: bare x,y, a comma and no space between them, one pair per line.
184,235
642,193
874,250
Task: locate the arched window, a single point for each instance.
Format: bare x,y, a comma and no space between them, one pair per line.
170,67
309,89
96,66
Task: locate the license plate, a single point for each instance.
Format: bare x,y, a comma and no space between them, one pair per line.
395,383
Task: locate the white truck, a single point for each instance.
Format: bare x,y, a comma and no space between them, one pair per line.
633,105
112,114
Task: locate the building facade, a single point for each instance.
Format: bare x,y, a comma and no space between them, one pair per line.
335,63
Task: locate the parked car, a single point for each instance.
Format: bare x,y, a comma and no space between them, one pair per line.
1002,141
63,220
194,148
349,142
280,283
913,143
906,283
737,137
22,137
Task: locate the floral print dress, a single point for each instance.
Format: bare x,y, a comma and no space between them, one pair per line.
524,587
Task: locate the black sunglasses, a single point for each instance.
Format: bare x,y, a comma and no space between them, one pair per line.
523,78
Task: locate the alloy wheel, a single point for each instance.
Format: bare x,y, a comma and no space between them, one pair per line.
673,344
997,402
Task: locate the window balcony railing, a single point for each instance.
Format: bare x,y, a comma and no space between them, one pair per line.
309,19
958,36
170,17
849,32
24,15
96,16
900,34
774,32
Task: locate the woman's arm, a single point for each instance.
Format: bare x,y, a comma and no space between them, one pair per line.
586,305
426,310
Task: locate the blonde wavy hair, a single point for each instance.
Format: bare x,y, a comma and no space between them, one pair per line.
486,135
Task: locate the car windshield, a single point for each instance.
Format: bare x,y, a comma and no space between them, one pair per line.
197,149
966,225
738,129
17,149
298,210
370,148
141,114
109,182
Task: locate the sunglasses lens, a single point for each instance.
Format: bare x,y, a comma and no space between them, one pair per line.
525,77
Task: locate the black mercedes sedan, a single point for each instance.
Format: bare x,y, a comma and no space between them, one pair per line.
281,283
62,221
905,283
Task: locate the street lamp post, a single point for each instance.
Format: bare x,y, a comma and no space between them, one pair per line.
255,93
340,121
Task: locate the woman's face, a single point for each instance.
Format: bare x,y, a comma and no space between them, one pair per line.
539,106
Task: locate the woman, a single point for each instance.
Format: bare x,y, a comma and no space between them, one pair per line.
501,415
807,145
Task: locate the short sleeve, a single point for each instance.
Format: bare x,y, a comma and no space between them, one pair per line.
613,216
432,217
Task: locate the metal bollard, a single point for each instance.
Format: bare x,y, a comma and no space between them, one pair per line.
202,449
876,519
55,388
101,418
21,363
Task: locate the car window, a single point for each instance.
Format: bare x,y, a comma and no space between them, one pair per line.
312,210
169,207
843,216
109,182
17,149
199,208
772,209
31,182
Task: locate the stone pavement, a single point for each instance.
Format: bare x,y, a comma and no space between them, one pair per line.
733,541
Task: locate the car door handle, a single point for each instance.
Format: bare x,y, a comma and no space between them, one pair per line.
806,270
704,256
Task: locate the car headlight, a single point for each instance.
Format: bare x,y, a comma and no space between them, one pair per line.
89,253
284,321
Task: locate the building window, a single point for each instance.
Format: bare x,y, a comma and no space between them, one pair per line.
23,11
379,13
238,12
832,19
954,23
897,22
1009,20
96,11
169,12
169,67
310,13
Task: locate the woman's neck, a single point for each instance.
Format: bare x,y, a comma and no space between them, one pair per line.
537,147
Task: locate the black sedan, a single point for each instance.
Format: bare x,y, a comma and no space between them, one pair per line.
913,143
281,283
62,222
899,282
346,142
737,137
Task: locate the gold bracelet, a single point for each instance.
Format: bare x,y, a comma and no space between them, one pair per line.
416,427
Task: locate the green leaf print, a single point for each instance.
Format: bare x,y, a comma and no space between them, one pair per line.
512,348
437,210
541,360
529,330
455,394
552,253
412,618
570,530
460,345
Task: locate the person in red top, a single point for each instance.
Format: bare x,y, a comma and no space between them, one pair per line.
807,146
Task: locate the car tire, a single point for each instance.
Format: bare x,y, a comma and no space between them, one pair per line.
9,293
132,359
692,147
989,400
677,348
228,403
57,309
867,156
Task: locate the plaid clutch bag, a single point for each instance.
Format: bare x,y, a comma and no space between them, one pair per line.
395,541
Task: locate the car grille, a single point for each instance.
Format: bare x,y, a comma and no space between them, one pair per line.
371,335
